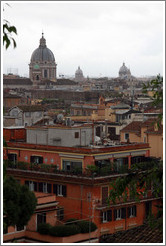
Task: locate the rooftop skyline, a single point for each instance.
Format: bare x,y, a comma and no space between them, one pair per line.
97,36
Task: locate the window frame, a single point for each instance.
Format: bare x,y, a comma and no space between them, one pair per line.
43,219
126,134
106,216
132,211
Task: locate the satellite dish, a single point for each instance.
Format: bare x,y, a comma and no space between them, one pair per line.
60,118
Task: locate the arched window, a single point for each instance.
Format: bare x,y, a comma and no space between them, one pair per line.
45,73
37,77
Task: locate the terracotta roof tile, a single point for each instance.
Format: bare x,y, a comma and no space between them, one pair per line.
134,126
140,234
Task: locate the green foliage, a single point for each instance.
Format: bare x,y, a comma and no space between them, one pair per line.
34,166
156,86
91,169
4,143
64,230
8,31
22,165
45,167
19,202
86,225
77,170
67,230
44,228
136,179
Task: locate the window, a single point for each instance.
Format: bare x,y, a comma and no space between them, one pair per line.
106,216
32,185
69,165
59,190
12,158
45,73
19,228
144,139
126,136
14,112
60,214
76,134
36,159
121,165
120,214
38,114
41,219
132,211
37,77
45,187
28,114
137,159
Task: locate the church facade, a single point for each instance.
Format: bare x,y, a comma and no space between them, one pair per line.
42,65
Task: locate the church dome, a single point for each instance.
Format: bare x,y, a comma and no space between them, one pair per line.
123,69
79,72
124,72
42,53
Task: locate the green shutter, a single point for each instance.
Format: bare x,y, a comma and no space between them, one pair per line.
109,215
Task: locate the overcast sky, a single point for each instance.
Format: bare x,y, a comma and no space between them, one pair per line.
98,36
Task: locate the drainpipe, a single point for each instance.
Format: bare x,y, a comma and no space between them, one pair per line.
81,199
80,136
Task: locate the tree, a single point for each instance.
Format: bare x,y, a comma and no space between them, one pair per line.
142,174
156,86
19,203
135,184
8,31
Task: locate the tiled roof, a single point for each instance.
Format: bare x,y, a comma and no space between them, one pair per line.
24,81
134,126
31,108
140,234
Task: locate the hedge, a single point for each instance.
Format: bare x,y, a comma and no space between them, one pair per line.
64,230
44,229
67,230
84,226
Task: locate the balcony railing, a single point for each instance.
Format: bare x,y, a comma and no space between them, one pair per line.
91,171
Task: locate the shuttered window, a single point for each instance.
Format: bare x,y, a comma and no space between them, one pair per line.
119,213
36,159
59,190
60,214
106,216
41,219
31,185
132,211
104,194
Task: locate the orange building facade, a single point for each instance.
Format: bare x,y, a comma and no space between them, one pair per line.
146,132
80,195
